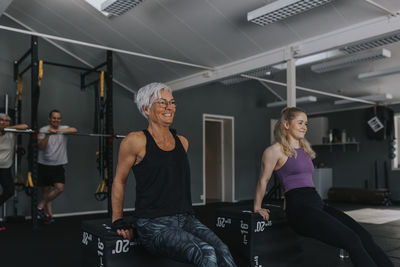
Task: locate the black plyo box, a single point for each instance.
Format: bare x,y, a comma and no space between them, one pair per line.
259,242
102,247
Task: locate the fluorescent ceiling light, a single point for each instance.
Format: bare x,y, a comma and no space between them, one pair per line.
381,97
372,43
260,72
282,9
311,59
113,7
379,73
300,100
350,60
118,7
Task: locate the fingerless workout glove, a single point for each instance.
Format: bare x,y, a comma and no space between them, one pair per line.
121,224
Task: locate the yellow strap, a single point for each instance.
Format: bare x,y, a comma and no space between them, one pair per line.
102,84
29,182
103,184
19,86
98,188
40,72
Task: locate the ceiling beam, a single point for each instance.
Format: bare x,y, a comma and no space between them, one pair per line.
328,41
345,36
233,68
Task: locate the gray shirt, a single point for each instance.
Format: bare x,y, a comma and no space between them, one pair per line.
55,152
7,145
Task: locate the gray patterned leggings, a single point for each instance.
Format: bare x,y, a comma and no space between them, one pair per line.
183,238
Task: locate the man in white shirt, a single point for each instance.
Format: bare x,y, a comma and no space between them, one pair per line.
7,147
52,144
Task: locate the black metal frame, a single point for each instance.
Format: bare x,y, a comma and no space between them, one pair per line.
107,125
106,144
35,94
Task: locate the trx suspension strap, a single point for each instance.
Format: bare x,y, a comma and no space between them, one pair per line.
101,191
29,184
40,74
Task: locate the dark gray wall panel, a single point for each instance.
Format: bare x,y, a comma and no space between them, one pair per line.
246,103
352,168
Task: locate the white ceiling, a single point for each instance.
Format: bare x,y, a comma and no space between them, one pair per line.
213,33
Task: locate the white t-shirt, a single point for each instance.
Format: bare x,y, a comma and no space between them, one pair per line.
55,152
7,145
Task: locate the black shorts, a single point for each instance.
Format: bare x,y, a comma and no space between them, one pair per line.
50,175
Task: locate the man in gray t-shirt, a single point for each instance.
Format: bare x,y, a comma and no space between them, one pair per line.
51,160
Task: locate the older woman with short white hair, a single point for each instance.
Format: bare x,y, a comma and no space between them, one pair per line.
165,223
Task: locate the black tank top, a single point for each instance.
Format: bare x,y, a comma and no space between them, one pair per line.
162,181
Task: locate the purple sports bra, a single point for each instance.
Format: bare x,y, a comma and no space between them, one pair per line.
296,172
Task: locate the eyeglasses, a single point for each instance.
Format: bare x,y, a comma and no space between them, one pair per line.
163,103
4,120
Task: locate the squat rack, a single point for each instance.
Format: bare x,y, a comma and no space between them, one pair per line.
36,68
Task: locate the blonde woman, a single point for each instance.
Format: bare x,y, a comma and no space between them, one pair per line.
291,160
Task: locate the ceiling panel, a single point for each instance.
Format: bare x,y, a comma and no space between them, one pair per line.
213,33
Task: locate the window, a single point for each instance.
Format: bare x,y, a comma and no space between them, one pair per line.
394,146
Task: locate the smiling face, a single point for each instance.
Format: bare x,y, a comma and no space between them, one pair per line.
297,127
55,120
4,122
162,110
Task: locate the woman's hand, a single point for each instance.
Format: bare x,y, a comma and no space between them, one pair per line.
263,212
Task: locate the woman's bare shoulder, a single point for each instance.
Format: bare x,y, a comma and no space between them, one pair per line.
274,149
135,139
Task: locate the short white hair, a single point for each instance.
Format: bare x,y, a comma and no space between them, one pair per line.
5,115
146,95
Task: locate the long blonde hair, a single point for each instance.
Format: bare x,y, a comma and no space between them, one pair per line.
281,136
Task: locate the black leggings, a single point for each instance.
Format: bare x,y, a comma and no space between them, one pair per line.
309,216
7,183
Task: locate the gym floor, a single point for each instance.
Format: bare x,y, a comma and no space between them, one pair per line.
59,244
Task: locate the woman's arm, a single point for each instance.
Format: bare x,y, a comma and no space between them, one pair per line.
128,153
19,127
269,160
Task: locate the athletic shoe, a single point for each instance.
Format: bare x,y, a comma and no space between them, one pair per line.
49,220
40,214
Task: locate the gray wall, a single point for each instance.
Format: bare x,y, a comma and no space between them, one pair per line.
352,168
246,103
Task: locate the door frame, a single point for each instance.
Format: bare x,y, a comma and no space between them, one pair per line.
222,119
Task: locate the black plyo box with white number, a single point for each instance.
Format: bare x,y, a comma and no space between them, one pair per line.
102,247
258,242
